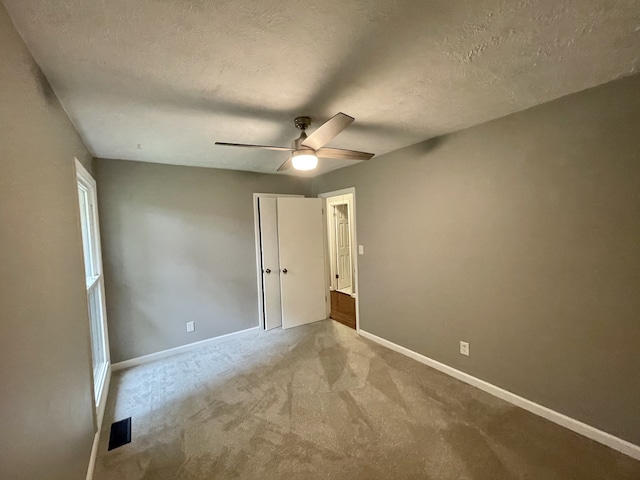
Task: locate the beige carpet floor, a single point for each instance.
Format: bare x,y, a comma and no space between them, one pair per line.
319,402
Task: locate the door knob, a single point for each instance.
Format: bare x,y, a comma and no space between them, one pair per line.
284,270
268,270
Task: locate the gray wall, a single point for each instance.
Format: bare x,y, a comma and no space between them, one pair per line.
46,404
522,237
178,246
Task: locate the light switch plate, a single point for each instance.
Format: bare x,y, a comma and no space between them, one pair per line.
464,348
360,249
191,326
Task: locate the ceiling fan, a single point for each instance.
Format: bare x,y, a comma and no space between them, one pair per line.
305,150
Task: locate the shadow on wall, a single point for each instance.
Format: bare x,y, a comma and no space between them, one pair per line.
44,87
425,147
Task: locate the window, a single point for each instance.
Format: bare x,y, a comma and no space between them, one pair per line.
94,279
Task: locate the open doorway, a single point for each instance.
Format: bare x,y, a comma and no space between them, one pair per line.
341,260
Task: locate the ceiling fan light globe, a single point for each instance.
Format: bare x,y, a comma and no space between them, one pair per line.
304,161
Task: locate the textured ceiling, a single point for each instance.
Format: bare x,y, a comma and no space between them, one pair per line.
162,80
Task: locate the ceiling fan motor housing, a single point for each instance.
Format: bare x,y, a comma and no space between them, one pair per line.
297,144
302,123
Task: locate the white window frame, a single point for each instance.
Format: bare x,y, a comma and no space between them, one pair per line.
95,283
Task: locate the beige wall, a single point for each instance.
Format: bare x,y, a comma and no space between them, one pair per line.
46,405
522,237
178,246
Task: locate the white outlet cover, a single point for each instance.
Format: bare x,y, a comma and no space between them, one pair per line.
191,326
464,348
360,249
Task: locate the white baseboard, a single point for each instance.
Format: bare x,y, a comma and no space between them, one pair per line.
577,426
174,351
94,454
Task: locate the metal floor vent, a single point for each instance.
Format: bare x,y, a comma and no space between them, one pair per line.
120,433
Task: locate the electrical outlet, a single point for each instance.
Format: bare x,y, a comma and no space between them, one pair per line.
360,249
191,326
464,348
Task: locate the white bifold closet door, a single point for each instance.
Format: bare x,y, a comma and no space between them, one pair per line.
301,254
270,263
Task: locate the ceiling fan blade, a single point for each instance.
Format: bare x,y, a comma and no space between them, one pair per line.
328,131
264,147
343,154
286,165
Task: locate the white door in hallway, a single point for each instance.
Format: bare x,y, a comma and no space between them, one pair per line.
301,247
343,246
270,263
